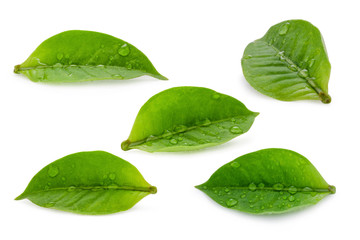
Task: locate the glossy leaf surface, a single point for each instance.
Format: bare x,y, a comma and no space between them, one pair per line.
188,118
268,181
88,183
289,63
75,56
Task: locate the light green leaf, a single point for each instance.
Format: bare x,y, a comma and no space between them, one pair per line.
289,63
268,181
188,118
88,183
75,56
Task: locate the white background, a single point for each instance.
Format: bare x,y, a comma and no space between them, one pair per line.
193,43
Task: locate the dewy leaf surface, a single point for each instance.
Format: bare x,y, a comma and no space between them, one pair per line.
76,55
188,118
268,181
88,183
289,63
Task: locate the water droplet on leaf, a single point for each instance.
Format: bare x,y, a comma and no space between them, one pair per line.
292,190
252,186
59,56
53,171
235,164
235,130
216,96
231,202
278,186
284,29
124,50
112,176
291,198
173,141
303,73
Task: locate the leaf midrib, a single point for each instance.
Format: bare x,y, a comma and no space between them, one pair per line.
299,189
18,68
323,96
150,189
129,144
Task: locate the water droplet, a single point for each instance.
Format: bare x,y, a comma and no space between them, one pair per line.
216,96
129,66
278,186
311,62
231,202
262,207
247,56
284,197
59,56
291,198
53,171
49,204
173,141
233,119
284,29
71,188
307,189
96,189
124,50
46,187
235,164
63,178
235,130
243,195
151,138
57,65
206,122
252,186
180,128
100,66
292,190
112,176
180,139
167,134
204,187
313,194
261,185
303,73
292,67
251,205
226,190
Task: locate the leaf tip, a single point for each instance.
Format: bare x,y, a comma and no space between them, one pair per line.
17,68
332,189
20,197
125,145
161,77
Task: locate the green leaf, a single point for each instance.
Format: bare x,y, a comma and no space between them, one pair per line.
268,181
75,56
88,183
188,118
289,63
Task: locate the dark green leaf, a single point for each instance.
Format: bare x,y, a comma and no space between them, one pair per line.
75,56
188,118
268,181
289,63
88,183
